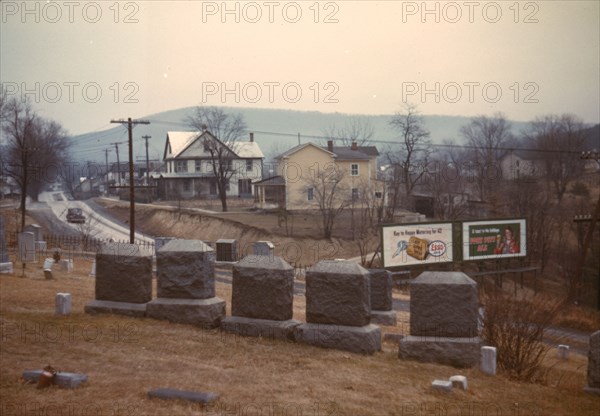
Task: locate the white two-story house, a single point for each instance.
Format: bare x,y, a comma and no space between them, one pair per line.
189,166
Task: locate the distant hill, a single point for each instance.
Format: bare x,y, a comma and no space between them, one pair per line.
275,131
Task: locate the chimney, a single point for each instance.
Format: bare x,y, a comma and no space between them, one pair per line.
330,145
354,146
251,136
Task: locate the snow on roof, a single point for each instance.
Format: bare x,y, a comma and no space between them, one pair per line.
247,149
179,140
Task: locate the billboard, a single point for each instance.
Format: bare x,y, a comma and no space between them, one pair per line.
414,244
492,239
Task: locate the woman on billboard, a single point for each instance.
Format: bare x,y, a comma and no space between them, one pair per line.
508,244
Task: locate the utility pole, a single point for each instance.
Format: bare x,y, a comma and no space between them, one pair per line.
147,162
130,124
106,172
118,162
593,219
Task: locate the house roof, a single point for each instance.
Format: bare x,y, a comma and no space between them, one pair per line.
179,141
247,150
339,152
346,153
300,147
367,150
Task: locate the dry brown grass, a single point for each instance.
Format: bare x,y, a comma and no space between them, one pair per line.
125,357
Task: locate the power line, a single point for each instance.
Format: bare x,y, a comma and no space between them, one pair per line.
389,142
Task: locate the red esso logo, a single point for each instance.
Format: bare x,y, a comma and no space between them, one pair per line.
437,248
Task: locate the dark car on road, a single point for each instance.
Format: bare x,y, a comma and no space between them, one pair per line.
75,215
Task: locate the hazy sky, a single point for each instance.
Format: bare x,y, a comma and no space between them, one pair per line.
87,62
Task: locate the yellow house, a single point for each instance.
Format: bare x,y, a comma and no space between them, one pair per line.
309,173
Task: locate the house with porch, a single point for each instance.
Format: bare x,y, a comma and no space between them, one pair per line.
189,166
303,167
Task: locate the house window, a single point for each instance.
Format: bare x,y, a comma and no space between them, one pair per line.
378,195
206,147
354,169
198,166
311,194
181,166
249,165
187,185
354,194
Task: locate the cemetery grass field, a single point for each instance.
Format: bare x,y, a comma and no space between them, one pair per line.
126,357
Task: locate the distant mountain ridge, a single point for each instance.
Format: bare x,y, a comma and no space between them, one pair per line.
274,130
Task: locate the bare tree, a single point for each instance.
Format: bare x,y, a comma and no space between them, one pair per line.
561,139
35,148
330,194
365,211
409,164
486,137
356,130
226,130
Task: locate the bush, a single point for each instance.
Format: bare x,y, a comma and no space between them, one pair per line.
579,189
516,328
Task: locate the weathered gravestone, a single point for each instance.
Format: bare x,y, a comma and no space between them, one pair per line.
381,297
123,280
443,320
26,243
226,250
36,230
263,248
186,285
62,304
338,308
593,371
6,265
488,360
262,298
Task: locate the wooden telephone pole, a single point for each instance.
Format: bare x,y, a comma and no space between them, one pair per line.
130,123
147,162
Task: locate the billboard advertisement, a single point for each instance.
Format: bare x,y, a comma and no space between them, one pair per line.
491,239
414,244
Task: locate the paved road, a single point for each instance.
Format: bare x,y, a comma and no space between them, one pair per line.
101,225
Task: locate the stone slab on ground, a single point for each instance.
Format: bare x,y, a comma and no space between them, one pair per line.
123,273
6,267
457,352
185,270
263,288
137,310
442,385
381,289
192,396
249,327
338,293
459,381
387,318
207,313
364,340
443,304
62,379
